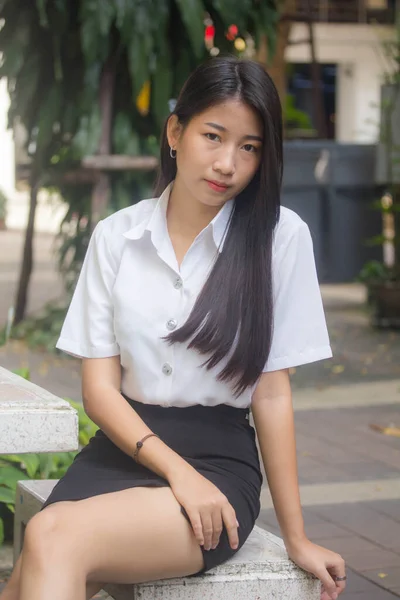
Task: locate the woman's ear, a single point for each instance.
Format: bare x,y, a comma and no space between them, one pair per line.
174,130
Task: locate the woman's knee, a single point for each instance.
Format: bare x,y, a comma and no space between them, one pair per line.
49,535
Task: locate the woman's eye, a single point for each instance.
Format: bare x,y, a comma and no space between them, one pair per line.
250,148
214,137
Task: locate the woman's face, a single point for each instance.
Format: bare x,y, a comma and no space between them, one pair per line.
219,151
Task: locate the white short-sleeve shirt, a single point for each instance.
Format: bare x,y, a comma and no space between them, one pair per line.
131,292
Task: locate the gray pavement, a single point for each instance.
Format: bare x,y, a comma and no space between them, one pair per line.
46,284
349,473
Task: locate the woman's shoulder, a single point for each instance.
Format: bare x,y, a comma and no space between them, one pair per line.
125,219
289,226
117,227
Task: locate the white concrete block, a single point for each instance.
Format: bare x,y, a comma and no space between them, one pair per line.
34,420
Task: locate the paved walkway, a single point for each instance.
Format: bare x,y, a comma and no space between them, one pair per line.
349,472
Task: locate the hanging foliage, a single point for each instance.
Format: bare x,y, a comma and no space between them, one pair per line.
53,54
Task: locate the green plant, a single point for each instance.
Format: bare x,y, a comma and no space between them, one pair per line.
41,332
14,468
295,118
373,270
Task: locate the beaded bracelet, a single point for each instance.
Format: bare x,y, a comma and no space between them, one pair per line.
139,444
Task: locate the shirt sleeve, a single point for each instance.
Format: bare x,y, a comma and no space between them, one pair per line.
300,333
88,329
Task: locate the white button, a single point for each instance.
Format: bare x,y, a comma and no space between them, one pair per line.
171,324
167,369
178,283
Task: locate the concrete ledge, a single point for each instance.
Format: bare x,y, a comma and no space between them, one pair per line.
34,420
261,568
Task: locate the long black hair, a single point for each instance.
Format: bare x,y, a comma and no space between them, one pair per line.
233,315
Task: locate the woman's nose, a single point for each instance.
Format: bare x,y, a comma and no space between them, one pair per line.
225,163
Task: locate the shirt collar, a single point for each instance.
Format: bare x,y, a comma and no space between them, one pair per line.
156,223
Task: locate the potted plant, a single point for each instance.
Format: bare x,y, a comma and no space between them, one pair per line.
3,210
383,278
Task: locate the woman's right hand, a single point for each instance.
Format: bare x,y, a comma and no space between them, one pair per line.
207,508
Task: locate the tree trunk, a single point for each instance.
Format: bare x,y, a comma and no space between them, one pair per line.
27,257
102,188
276,67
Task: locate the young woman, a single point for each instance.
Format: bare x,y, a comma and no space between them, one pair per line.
189,311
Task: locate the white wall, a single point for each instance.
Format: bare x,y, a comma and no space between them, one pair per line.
50,211
357,51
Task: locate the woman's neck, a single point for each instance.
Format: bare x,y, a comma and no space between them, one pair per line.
186,216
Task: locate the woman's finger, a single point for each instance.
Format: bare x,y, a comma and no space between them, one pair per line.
324,595
207,523
197,526
217,528
338,570
328,583
230,522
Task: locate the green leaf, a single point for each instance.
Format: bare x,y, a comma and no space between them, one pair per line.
28,81
9,476
7,496
263,23
122,134
377,240
193,13
162,86
10,458
234,12
49,114
23,372
41,7
47,464
121,10
95,43
105,12
138,63
1,531
30,462
13,61
86,139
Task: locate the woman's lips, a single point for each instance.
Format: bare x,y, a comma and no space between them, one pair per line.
217,187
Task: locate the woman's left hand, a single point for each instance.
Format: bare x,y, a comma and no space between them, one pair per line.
322,563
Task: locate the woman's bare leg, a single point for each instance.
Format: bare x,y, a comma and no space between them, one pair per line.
130,536
11,591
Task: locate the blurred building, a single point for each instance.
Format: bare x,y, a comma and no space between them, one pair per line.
349,39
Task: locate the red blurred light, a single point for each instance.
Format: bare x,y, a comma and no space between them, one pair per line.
209,32
232,32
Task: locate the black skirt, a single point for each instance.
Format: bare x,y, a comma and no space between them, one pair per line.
218,442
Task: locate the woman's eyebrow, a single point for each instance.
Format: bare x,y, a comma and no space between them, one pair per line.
245,137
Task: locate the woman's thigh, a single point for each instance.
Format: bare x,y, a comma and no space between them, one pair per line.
130,536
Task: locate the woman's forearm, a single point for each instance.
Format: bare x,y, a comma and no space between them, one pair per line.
121,423
274,423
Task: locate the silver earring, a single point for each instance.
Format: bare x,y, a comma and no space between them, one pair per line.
172,153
